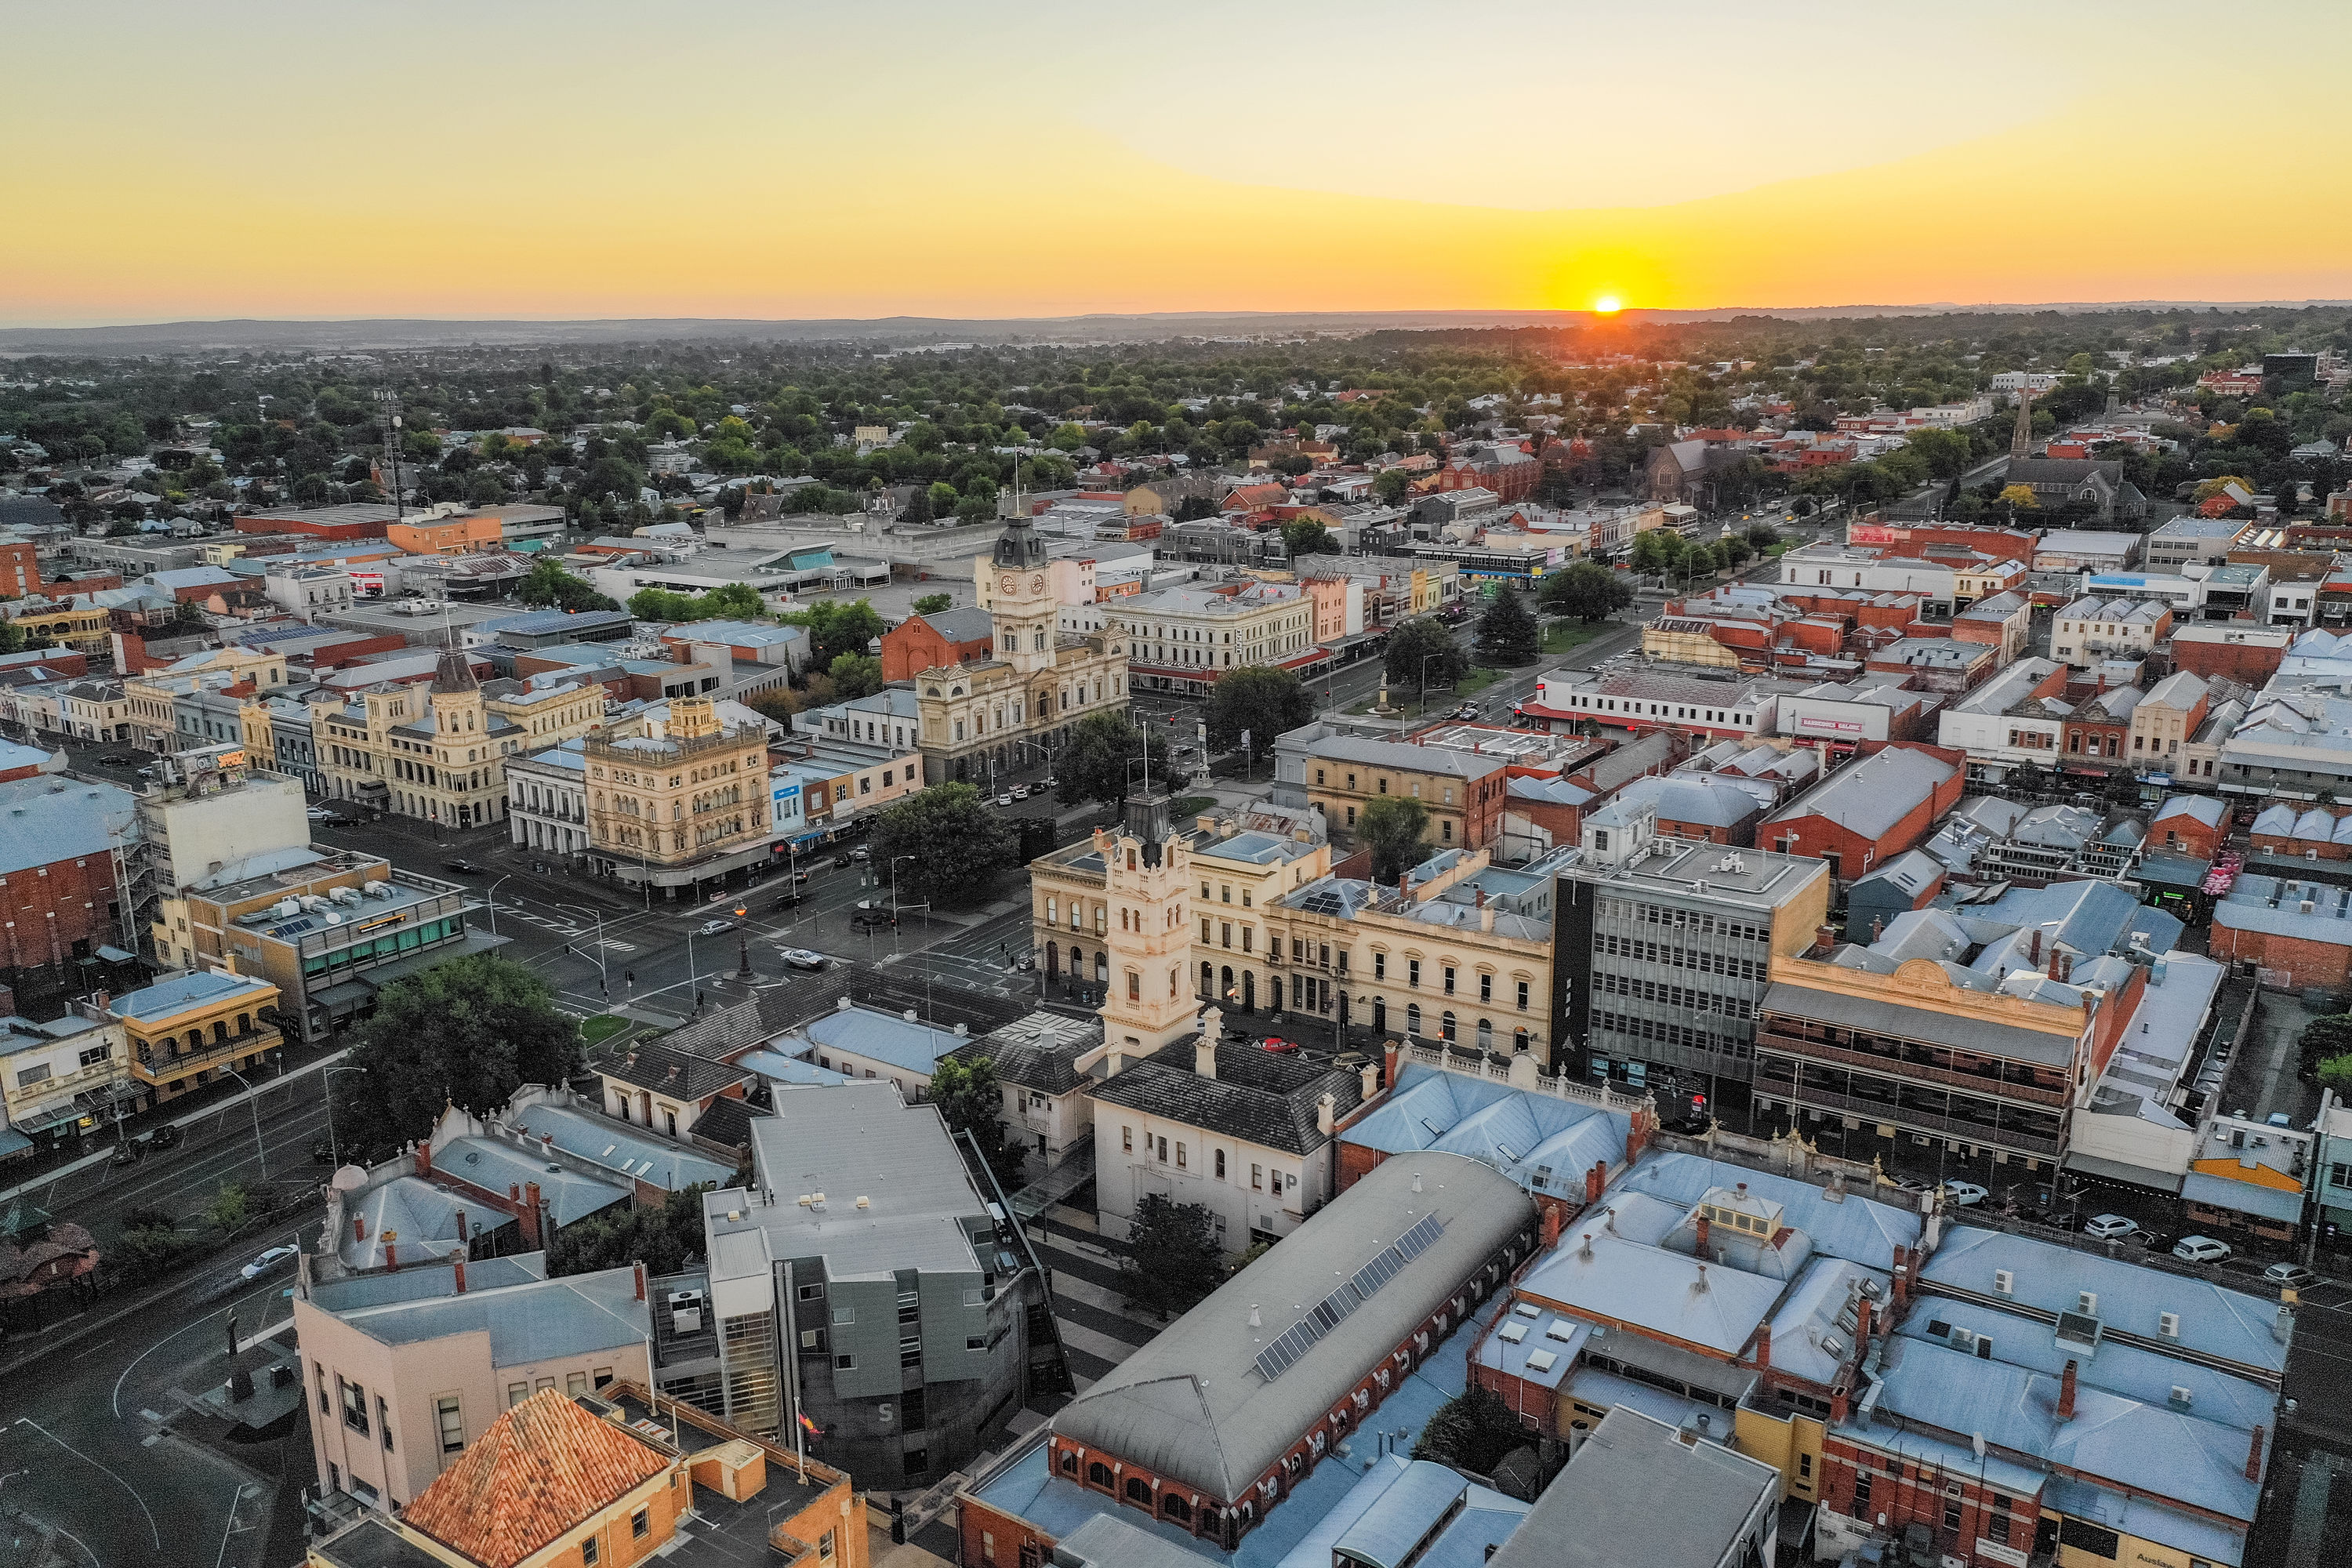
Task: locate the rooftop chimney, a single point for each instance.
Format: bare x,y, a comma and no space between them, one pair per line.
1862,1322
2033,953
1698,1286
2066,1392
1325,1110
1701,1233
2254,1456
641,1279
391,1253
1764,1346
1372,1080
461,1274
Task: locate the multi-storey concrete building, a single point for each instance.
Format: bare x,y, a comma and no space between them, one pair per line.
862,1284
1666,950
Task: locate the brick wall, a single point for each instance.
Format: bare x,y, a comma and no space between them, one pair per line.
912,647
49,908
2308,965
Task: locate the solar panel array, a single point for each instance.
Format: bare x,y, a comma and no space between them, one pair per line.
1328,1314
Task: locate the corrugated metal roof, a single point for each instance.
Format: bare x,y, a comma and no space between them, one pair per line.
44,819
1191,1406
1715,1308
1633,1480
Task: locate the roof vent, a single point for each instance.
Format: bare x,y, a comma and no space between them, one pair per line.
2181,1397
864,1201
1512,1332
1544,1361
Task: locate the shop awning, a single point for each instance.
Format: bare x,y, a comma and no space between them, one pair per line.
344,993
2098,1169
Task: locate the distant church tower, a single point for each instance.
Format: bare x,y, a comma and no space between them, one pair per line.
1146,1003
2021,440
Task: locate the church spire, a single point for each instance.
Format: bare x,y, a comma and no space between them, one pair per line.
2021,442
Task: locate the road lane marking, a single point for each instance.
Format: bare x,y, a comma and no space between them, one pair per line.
156,1534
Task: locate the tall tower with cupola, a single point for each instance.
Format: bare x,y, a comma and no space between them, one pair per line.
1149,930
1017,585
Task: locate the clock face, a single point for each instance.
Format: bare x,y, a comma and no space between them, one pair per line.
1009,583
1036,585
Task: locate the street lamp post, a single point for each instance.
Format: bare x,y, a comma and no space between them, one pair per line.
260,1150
334,1155
493,896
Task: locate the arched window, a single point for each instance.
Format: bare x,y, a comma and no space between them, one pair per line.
1413,1019
1519,1041
1446,1029
1139,1490
1176,1508
1208,980
1098,1474
1486,1035
1070,1463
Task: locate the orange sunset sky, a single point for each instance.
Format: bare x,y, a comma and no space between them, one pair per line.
791,160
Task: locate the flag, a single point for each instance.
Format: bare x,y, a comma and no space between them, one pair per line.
811,1427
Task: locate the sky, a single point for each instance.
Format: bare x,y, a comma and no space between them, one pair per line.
589,159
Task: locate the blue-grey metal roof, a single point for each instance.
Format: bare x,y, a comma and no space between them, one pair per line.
539,1320
46,818
1388,1533
2047,1277
618,1147
181,992
1684,1505
1661,1290
780,1069
422,1217
883,1037
1541,1142
496,1166
1534,1344
2246,1198
2145,1375
2156,1448
1858,1229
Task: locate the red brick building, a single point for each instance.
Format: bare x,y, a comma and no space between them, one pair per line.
935,641
2191,824
2098,732
60,900
2248,655
20,574
1871,810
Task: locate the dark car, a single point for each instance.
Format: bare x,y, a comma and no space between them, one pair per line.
125,1154
118,759
841,862
789,901
164,1137
464,867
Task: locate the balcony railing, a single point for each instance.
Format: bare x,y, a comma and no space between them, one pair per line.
1989,1082
158,1066
1915,1120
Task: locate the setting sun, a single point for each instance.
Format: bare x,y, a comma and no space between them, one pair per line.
1607,305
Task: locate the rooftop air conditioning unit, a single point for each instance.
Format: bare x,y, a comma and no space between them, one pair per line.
685,1312
2004,1281
2168,1324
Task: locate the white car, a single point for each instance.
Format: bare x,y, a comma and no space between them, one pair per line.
2110,1227
266,1262
1020,792
802,958
714,928
1004,800
2200,1249
1967,1194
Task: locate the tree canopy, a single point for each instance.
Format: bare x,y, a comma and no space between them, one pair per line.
550,586
1257,698
971,1099
1587,591
667,1238
1474,1431
1307,536
854,675
954,843
467,1032
932,604
1173,1257
1507,633
733,602
1098,763
1415,641
1395,829
835,628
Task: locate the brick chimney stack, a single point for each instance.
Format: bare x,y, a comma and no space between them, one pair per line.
1699,1232
529,1216
1862,1322
1593,1178
2254,1456
1764,1346
641,1279
1550,1226
391,1252
2067,1393
461,1274
423,1158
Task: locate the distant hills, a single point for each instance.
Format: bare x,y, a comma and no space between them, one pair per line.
914,331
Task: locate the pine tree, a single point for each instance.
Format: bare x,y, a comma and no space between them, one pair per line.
1506,632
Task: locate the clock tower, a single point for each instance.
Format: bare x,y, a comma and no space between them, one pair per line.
1017,585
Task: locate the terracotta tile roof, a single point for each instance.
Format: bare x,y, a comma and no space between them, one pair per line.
544,1468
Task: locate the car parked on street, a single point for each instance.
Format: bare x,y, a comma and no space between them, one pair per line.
804,958
1967,1194
463,867
861,852
714,928
1004,799
1020,792
1277,1046
2110,1228
267,1262
2200,1249
2289,1276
